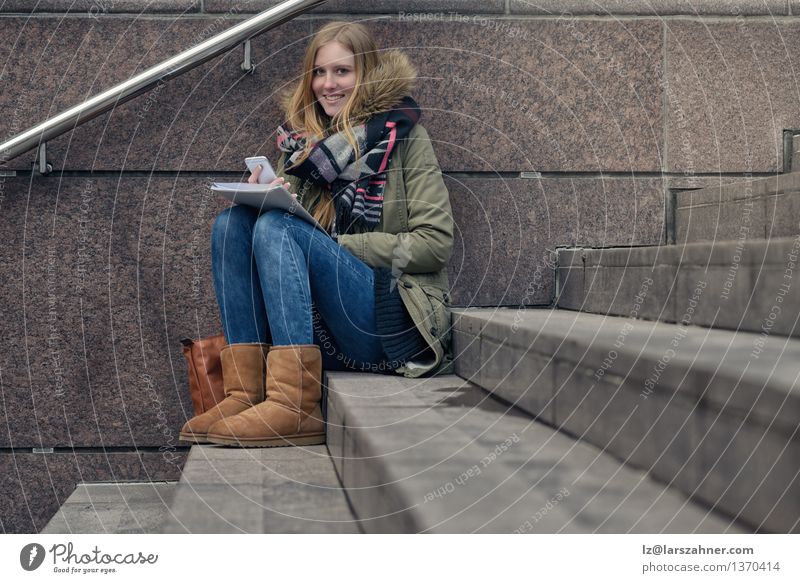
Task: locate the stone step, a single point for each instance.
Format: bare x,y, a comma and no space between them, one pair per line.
441,455
735,285
269,490
113,508
712,413
794,155
760,208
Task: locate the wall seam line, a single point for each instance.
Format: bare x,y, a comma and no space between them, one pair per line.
664,100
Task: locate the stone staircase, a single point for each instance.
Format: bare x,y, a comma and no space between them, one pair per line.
274,490
114,507
682,404
443,455
660,394
717,361
735,265
580,415
221,490
433,455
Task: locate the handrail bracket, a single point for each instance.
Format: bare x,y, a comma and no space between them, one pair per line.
41,160
247,64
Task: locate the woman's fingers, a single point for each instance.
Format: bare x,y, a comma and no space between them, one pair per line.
281,181
254,175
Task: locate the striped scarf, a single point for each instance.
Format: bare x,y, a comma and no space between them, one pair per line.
357,180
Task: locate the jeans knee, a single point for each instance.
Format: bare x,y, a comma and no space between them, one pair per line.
269,230
236,220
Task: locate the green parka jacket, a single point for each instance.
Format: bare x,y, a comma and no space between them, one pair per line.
415,235
414,239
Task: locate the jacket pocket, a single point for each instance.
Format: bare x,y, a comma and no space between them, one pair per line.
439,320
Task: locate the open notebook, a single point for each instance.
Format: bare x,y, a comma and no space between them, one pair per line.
264,197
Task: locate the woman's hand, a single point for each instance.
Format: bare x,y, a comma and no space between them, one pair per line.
279,181
254,175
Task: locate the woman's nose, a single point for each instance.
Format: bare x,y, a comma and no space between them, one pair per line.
330,81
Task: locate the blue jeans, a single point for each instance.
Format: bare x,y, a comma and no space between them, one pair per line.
279,280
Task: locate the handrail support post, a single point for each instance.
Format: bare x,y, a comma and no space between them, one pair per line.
247,64
41,160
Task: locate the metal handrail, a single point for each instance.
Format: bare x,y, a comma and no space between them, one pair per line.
169,69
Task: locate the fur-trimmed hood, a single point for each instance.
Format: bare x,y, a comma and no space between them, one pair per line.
383,87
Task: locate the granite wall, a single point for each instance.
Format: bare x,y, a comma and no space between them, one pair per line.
105,262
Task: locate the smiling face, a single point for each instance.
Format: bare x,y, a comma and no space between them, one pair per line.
334,77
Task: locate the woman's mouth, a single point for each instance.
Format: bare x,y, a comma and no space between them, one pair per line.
333,98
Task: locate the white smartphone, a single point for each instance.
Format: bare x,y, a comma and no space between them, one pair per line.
267,173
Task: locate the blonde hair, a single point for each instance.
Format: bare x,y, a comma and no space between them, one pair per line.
305,114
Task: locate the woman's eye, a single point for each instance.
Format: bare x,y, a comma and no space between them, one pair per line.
321,72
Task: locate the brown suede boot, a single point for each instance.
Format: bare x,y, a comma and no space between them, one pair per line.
243,378
291,414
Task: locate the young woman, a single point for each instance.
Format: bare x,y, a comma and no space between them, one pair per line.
370,293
